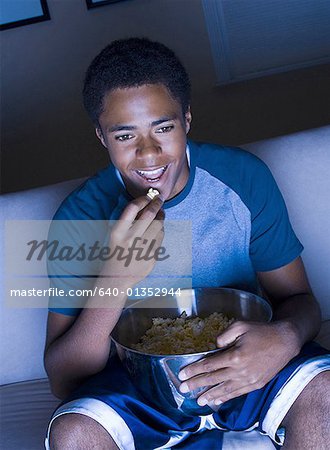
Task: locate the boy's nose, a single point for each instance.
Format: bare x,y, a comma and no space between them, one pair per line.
147,146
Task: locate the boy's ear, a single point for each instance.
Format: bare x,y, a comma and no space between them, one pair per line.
99,134
188,119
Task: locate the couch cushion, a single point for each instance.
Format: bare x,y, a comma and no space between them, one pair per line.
300,164
25,412
40,203
22,331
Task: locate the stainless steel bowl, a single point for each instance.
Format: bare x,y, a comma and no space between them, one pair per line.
156,376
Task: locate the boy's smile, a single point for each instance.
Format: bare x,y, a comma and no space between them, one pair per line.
145,131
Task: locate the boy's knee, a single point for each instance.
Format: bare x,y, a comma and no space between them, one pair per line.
65,430
76,431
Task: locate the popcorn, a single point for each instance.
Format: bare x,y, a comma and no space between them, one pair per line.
183,335
152,193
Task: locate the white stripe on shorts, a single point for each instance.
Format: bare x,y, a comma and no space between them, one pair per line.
289,392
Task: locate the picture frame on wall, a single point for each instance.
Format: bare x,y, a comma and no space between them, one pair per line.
96,3
16,13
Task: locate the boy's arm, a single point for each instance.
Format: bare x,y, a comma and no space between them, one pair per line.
77,348
295,307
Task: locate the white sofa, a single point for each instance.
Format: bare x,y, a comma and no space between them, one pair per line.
300,163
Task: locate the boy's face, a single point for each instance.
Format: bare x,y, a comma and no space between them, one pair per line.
144,130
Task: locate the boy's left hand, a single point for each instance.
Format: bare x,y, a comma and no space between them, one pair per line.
254,353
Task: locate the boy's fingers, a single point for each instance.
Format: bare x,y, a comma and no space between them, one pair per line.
119,229
230,335
138,215
134,207
146,216
151,209
139,208
160,215
155,227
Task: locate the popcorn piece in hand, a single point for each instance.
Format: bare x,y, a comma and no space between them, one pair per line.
152,193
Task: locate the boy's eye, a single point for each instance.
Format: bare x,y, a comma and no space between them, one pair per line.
165,129
123,137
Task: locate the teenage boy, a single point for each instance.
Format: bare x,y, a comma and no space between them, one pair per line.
138,96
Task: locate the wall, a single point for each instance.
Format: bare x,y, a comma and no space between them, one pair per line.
46,135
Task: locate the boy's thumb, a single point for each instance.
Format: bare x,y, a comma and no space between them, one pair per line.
230,335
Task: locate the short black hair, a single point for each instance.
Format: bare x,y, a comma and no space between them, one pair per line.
134,62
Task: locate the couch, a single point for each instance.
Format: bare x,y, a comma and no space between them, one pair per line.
300,163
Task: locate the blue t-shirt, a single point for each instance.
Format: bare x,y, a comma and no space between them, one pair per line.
239,221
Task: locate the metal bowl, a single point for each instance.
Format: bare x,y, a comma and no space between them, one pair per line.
156,376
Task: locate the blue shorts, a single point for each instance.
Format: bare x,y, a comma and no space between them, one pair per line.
137,423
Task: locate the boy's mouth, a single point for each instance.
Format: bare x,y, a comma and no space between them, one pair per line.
152,175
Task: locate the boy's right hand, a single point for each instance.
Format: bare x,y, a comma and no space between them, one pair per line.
140,226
